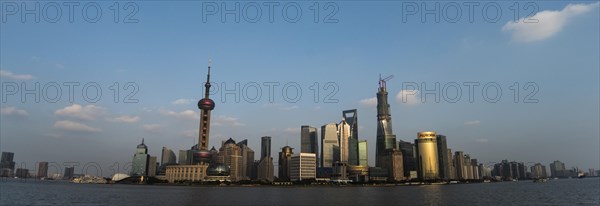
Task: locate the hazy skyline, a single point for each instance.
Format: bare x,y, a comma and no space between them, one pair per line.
165,56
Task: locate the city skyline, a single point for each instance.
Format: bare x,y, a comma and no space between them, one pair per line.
564,118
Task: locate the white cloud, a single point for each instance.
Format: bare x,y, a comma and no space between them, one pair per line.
482,140
152,127
88,112
10,75
292,130
408,97
548,23
75,126
370,102
9,111
474,122
182,101
223,120
187,114
290,108
126,119
59,66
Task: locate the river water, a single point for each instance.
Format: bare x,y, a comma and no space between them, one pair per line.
554,192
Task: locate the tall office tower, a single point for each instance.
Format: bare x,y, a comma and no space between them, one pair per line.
265,150
69,173
475,168
303,166
427,157
183,157
42,170
459,163
344,137
557,169
151,166
468,168
386,140
201,153
395,168
168,157
444,165
7,164
363,153
230,155
284,163
247,159
140,160
309,140
451,166
265,167
351,117
408,157
329,140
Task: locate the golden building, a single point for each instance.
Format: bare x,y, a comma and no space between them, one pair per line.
427,156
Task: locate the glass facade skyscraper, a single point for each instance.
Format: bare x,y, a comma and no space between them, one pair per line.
363,153
351,117
427,157
329,140
309,140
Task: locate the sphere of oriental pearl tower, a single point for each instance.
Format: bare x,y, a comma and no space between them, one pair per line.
205,105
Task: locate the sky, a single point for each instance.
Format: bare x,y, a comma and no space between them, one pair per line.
502,80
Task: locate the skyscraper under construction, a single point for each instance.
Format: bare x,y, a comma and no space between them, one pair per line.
386,140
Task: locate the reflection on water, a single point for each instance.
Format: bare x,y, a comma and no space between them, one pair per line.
556,192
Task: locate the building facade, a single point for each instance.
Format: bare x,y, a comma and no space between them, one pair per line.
444,165
386,140
303,166
329,140
309,140
230,154
351,117
363,153
140,160
42,170
186,173
427,157
285,158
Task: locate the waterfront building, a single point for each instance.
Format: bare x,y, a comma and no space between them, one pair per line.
363,153
42,170
7,164
140,160
408,157
358,173
230,155
303,166
285,157
265,167
329,140
186,173
386,140
351,117
69,173
344,138
427,157
451,165
183,157
475,168
152,166
395,168
167,158
459,163
538,171
22,173
247,160
442,150
558,169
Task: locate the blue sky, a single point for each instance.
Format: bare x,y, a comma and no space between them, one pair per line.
165,56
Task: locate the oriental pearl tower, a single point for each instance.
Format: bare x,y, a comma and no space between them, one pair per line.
202,154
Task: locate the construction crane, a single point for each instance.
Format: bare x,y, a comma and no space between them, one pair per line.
384,80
